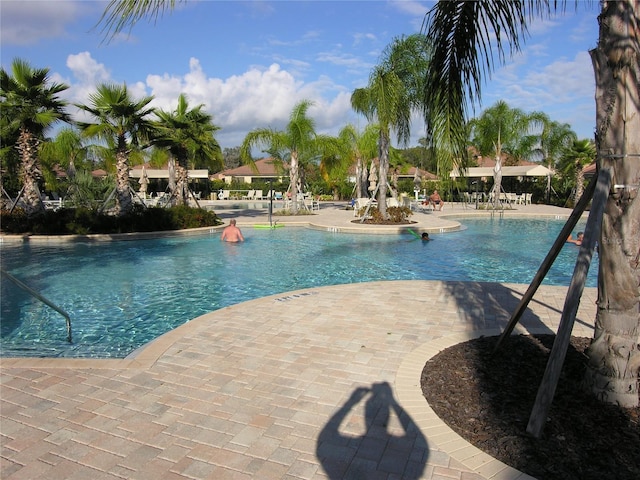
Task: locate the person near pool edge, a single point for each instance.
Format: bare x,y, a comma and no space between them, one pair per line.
231,233
436,200
577,240
425,237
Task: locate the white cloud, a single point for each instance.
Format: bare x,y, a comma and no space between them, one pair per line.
412,7
259,97
86,69
27,23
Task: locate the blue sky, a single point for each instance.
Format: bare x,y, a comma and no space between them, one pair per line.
250,62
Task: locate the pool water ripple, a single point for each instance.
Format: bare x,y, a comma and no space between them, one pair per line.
121,295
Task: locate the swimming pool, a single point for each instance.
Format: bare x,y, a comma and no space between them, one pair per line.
121,295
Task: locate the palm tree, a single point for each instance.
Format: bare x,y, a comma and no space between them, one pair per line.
297,144
578,155
502,130
66,150
359,148
460,33
188,136
122,123
391,96
555,138
30,105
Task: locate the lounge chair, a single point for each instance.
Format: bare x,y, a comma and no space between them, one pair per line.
250,195
362,203
258,195
312,204
224,195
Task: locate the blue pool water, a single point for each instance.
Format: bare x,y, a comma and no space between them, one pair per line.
121,295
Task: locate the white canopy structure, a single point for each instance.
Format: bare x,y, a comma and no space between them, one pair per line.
517,171
154,173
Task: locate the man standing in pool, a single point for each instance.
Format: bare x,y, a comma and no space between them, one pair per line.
232,233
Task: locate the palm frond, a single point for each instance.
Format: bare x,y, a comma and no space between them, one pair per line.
122,15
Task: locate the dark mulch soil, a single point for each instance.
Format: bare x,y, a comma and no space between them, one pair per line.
488,399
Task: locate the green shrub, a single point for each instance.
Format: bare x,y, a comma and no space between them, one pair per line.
395,214
84,221
399,214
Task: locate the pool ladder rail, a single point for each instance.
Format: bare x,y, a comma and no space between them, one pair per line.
38,296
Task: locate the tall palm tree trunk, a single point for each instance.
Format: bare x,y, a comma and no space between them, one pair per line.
579,183
383,171
123,193
28,147
614,359
182,181
497,182
361,178
293,180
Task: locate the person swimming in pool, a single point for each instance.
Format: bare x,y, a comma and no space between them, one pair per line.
425,237
577,240
232,233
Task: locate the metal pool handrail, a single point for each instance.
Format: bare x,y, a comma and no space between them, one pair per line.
35,294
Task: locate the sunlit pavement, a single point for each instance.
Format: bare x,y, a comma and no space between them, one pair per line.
316,383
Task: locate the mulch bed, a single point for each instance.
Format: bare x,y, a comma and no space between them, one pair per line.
488,399
369,221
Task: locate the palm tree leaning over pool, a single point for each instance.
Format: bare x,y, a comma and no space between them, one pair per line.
183,132
391,96
123,123
580,154
502,130
459,31
297,145
30,105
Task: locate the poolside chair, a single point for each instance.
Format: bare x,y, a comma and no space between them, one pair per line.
392,202
258,195
224,195
312,204
362,203
250,195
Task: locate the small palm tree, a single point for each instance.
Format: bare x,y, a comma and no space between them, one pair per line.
297,144
554,139
30,105
502,130
123,123
391,96
359,148
188,136
577,156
